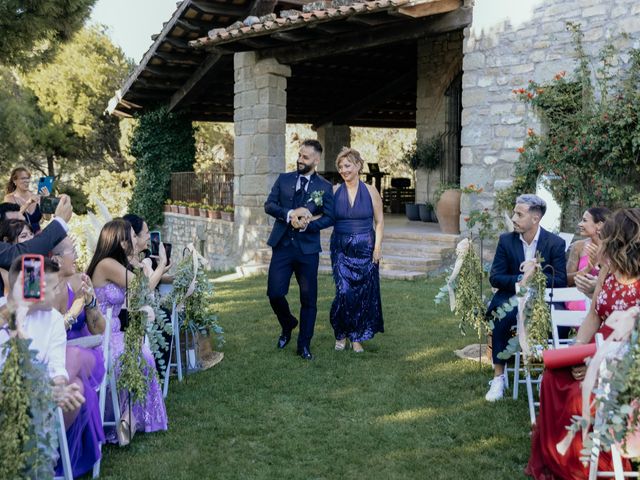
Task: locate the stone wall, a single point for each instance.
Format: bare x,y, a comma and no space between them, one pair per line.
439,61
212,238
530,42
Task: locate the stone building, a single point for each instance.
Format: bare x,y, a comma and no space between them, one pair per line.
443,67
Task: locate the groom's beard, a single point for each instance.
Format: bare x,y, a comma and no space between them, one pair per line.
303,168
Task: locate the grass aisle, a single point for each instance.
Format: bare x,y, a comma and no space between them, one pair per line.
407,408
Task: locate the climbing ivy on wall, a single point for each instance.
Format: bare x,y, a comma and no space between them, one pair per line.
162,143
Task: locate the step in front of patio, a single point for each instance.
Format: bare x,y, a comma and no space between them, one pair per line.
410,250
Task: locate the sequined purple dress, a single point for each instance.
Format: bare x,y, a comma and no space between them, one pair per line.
356,312
151,416
85,434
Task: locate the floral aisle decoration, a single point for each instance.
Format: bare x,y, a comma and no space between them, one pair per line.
134,371
534,316
615,385
28,439
464,289
193,293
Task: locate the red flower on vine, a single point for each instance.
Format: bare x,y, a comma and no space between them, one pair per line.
521,150
560,75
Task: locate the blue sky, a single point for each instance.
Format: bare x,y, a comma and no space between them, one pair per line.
132,22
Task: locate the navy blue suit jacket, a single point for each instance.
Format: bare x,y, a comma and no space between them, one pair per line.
281,200
510,254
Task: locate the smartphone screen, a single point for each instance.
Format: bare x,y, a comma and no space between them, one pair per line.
154,239
167,249
32,274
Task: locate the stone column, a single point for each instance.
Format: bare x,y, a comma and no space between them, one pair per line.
260,112
333,138
439,61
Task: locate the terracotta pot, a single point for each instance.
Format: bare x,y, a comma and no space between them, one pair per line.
167,208
448,211
173,208
211,214
193,211
215,214
182,209
227,216
203,213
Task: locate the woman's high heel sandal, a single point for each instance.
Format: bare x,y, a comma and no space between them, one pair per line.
357,347
341,345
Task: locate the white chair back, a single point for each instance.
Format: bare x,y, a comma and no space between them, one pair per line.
568,294
564,318
567,237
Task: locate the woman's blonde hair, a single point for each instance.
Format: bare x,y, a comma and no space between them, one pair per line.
352,155
11,184
621,241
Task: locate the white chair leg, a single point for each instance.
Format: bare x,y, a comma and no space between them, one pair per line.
176,333
64,447
174,350
532,407
516,375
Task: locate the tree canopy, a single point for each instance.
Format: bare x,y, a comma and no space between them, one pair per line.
30,29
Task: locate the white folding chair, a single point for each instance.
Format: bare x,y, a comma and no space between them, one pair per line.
567,237
618,471
109,381
565,318
63,446
175,346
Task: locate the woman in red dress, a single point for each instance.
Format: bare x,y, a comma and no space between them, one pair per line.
560,395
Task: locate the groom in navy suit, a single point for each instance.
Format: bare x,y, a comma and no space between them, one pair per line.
514,259
302,204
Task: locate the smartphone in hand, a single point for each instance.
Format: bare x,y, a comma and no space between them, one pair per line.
167,250
49,204
154,240
33,277
45,182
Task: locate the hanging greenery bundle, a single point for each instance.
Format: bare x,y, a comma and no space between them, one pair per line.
464,287
134,371
193,290
534,323
616,400
28,439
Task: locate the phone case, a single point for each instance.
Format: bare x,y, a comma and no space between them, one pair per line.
45,182
32,278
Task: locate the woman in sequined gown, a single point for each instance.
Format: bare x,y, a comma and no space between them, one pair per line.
110,277
356,312
618,288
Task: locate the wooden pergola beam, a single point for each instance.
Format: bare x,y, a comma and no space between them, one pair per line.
423,8
190,84
363,104
373,37
179,59
220,9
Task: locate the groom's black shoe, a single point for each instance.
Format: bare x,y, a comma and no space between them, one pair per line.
305,353
285,337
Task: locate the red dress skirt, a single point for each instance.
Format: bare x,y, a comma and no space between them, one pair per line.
561,399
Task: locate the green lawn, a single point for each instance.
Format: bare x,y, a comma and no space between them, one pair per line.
406,408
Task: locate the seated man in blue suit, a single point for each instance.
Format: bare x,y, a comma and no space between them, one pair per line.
302,204
515,254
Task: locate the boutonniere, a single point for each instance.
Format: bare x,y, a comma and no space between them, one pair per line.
316,197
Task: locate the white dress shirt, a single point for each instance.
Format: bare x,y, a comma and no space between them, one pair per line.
306,189
530,248
48,337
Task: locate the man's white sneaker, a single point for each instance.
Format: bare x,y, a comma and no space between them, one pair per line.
497,389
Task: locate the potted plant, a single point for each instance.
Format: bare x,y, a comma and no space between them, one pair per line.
227,213
428,155
182,207
448,208
214,211
203,210
426,212
167,205
193,209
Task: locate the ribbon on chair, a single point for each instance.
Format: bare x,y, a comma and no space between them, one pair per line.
461,251
197,258
622,322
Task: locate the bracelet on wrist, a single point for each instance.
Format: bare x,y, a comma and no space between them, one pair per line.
92,303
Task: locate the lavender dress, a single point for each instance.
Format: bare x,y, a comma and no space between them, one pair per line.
151,416
86,365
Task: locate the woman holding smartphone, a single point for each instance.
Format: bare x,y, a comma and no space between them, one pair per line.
18,192
109,271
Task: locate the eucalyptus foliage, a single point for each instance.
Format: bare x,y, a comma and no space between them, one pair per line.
470,307
199,312
28,439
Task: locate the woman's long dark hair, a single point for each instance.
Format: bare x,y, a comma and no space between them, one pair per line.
109,245
136,222
10,230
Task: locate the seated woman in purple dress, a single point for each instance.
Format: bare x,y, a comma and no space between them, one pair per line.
356,312
110,276
582,264
76,302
